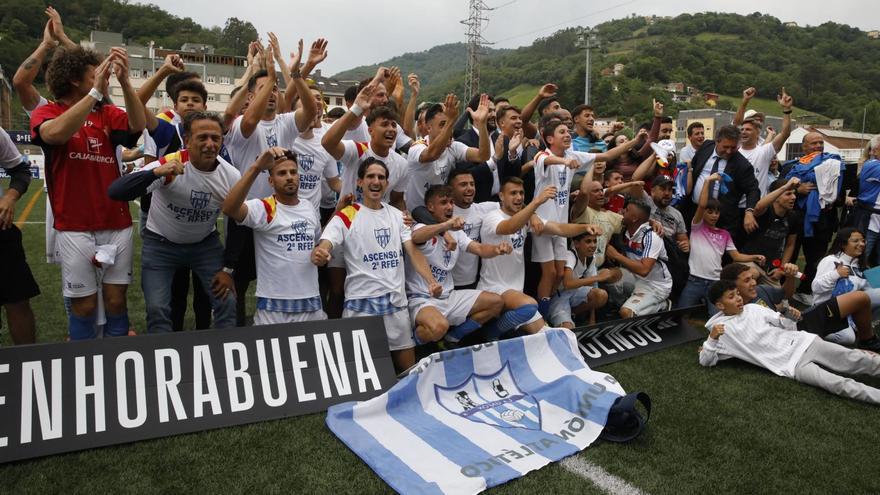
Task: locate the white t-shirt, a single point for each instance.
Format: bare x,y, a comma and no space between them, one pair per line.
362,133
185,208
644,243
687,153
284,237
465,270
760,157
708,245
579,268
315,167
373,244
423,175
440,260
355,153
280,131
502,273
556,210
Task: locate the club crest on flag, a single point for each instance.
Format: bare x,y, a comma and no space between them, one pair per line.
199,199
305,162
383,236
493,399
300,227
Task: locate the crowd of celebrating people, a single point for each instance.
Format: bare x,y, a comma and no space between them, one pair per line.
448,224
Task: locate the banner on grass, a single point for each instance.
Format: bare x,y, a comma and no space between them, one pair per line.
472,418
616,340
71,396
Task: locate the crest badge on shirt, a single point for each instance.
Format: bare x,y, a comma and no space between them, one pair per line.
562,176
383,236
305,162
300,227
199,199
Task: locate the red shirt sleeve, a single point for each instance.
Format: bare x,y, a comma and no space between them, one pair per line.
115,117
41,115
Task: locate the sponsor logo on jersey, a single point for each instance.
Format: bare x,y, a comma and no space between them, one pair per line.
94,145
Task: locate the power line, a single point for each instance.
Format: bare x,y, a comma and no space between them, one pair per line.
566,22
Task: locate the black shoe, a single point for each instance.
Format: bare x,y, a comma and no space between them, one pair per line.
872,344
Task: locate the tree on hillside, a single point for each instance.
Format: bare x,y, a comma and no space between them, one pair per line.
236,35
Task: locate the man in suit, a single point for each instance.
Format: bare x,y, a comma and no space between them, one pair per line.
721,156
485,178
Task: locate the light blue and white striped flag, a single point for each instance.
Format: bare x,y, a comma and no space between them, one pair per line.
477,417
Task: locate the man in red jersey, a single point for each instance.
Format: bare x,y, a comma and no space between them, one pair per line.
79,134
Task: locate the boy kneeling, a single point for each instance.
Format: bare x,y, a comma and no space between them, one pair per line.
765,338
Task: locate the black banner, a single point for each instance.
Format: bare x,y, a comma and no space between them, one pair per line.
616,340
71,396
20,137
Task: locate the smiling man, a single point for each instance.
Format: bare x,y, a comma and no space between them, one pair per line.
188,188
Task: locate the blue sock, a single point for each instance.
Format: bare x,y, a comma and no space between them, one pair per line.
117,325
458,332
511,320
544,306
81,327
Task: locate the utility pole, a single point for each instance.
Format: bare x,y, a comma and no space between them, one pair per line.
587,39
475,42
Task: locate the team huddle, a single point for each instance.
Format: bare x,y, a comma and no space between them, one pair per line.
433,218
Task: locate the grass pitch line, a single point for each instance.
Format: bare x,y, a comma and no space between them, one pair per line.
28,208
598,476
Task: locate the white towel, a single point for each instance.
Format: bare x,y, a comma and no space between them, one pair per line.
827,177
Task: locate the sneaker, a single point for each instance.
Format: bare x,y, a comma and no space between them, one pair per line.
872,344
805,299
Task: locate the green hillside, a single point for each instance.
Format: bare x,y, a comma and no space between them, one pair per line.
830,70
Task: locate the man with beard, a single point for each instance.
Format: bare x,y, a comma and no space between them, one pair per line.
285,230
188,188
485,172
454,313
374,238
660,198
466,270
696,134
429,161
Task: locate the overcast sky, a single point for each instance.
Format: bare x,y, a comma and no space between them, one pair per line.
400,26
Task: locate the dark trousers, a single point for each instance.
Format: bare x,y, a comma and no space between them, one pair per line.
201,302
816,247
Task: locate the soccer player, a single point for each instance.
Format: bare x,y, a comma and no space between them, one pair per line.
188,188
358,130
455,313
645,256
429,161
315,166
17,284
504,275
374,238
556,167
286,227
579,291
765,338
467,270
79,134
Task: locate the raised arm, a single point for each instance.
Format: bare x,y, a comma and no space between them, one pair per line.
479,118
704,197
748,94
23,80
520,218
60,129
260,102
655,129
133,106
767,201
233,205
546,91
409,115
332,140
786,102
646,168
284,105
172,64
436,146
618,151
424,233
317,54
237,101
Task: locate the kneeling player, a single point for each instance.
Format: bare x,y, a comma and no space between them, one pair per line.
285,230
579,291
374,237
504,275
455,313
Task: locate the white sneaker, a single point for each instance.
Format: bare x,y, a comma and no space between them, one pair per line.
805,299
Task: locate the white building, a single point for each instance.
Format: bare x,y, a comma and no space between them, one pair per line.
849,145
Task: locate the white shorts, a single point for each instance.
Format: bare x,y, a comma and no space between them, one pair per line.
77,249
562,304
337,257
264,317
397,327
647,299
52,254
548,248
454,308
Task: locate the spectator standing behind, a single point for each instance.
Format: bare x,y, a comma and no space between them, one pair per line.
696,134
189,187
865,217
761,154
776,235
79,134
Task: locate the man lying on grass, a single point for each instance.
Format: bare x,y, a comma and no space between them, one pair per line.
765,338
